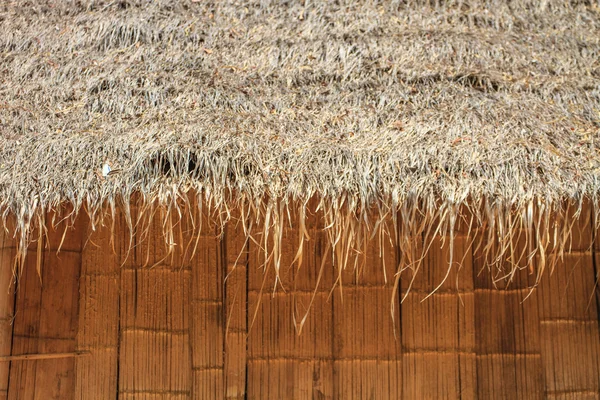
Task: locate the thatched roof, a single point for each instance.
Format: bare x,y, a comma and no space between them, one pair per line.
399,105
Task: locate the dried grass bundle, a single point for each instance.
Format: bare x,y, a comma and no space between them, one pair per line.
422,114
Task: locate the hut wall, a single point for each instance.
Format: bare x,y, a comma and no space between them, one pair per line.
7,302
172,326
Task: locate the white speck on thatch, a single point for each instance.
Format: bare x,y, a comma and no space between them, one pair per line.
105,170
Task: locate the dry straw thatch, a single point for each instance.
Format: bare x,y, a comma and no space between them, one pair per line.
425,114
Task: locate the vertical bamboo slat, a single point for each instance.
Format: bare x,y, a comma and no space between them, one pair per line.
236,296
508,349
207,319
96,374
568,308
154,356
438,335
46,318
315,367
507,333
281,363
569,331
7,298
368,357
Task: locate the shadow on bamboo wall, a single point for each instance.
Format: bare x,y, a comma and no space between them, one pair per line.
119,316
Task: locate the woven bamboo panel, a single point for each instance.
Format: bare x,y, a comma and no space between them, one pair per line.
206,307
367,338
141,322
282,363
236,301
438,333
569,328
46,319
96,374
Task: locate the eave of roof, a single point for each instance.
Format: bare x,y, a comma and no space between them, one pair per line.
377,105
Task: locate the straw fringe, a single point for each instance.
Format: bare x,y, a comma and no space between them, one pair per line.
509,238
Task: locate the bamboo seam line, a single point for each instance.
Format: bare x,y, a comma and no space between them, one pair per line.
43,356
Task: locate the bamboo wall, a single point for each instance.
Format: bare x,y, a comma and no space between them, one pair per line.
160,327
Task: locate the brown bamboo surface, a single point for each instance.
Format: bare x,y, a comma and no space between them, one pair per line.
211,324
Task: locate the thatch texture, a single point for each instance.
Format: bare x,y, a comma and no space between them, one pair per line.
412,108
